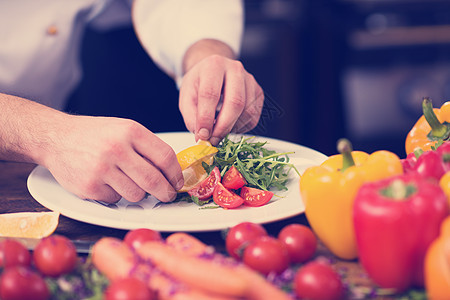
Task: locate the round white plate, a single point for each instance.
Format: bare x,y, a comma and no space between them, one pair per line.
180,216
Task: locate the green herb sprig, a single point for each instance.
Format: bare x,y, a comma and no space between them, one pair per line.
262,168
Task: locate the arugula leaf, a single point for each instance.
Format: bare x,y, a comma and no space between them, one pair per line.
261,167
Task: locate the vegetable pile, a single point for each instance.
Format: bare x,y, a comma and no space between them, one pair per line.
242,172
391,214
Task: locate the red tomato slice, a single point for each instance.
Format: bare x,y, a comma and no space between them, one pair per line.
255,197
233,179
226,198
204,190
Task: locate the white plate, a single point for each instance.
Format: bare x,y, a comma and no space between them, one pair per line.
180,216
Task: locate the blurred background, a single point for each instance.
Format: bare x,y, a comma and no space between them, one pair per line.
330,69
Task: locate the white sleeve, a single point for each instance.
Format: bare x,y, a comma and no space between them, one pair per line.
167,28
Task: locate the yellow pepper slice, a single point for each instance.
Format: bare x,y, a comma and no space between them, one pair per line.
328,192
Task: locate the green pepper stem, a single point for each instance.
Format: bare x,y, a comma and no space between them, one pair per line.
345,148
398,190
438,129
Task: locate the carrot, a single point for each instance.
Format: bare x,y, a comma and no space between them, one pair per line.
258,287
216,275
116,260
187,243
194,271
113,258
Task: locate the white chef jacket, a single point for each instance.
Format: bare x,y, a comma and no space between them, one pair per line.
40,39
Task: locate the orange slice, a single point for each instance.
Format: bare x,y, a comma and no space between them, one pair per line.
190,160
28,224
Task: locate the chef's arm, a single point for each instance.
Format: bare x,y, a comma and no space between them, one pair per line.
26,129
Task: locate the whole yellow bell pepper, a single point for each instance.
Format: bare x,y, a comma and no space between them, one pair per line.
437,265
328,192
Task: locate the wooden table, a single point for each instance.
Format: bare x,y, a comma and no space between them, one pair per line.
14,197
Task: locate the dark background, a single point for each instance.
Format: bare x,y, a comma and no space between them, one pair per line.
330,69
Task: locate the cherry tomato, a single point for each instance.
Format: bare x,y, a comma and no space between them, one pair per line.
266,255
128,288
233,179
255,197
21,283
240,235
317,280
204,190
135,238
55,255
226,198
300,242
13,253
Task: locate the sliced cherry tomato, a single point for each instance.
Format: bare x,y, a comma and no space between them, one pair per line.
55,255
255,197
205,189
136,237
300,241
241,235
13,253
20,282
128,288
317,280
266,255
233,179
226,198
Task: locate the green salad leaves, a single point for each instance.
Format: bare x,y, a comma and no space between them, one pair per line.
262,168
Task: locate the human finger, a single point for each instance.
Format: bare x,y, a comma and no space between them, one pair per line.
162,158
187,103
253,106
209,91
234,98
101,192
118,180
141,177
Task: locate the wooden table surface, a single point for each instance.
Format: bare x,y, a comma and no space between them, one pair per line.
14,197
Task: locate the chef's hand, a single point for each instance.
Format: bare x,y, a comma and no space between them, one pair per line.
213,83
104,158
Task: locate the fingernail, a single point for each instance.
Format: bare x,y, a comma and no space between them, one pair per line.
179,184
172,196
203,133
214,140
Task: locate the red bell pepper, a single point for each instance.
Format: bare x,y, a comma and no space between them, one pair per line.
431,163
395,221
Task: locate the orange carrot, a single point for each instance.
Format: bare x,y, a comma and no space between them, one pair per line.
258,287
216,275
194,271
116,260
187,243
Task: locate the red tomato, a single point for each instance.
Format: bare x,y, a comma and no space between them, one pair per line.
255,197
266,255
13,253
300,242
226,198
233,179
240,235
55,255
21,283
204,190
135,238
317,280
128,288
